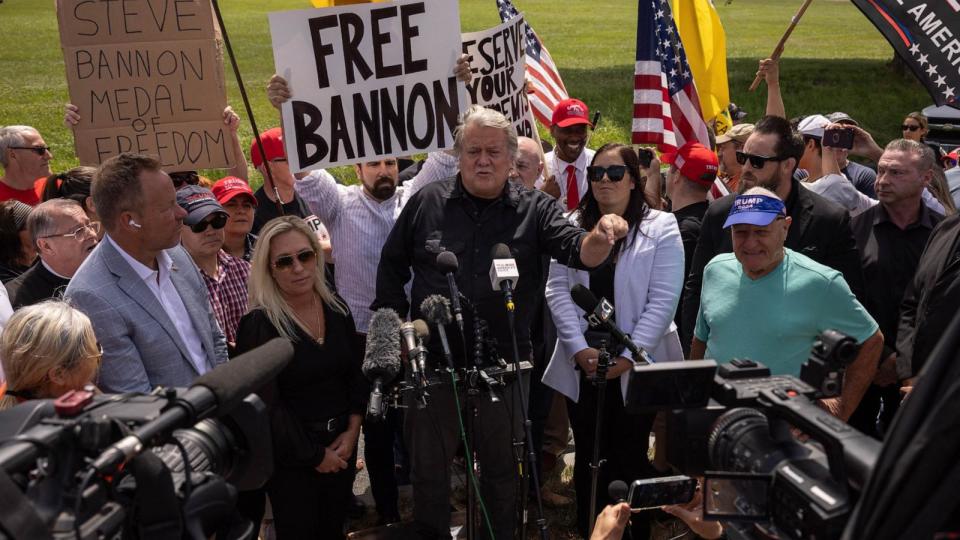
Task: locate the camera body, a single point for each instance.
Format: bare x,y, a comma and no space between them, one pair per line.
51,446
735,424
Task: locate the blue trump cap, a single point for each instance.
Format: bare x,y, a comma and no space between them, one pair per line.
758,210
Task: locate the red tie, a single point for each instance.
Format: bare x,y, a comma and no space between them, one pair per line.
573,197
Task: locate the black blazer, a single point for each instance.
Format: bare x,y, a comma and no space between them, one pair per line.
931,299
820,230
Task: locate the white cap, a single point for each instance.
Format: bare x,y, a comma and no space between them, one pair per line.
812,126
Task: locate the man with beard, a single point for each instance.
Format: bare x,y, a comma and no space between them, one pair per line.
820,230
359,218
568,161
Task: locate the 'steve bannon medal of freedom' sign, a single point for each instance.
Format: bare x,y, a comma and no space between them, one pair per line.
368,80
147,77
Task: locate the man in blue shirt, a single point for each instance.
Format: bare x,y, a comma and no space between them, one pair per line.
768,303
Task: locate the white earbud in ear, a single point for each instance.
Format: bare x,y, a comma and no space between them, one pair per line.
133,223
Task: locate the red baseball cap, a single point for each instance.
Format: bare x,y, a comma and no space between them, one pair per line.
570,112
695,162
272,145
229,187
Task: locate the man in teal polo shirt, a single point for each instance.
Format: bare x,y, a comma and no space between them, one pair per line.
767,303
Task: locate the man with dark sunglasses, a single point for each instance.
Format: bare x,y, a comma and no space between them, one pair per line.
25,159
820,230
202,235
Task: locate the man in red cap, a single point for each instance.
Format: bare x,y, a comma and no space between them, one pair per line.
568,161
236,197
267,196
693,168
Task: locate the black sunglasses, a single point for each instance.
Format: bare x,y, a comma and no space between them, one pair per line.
757,162
38,150
614,172
218,222
905,127
181,179
285,262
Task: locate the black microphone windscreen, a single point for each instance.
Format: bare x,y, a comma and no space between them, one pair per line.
583,298
447,262
382,357
500,251
617,490
422,330
436,309
233,381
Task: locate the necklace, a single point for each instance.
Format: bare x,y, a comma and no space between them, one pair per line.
319,310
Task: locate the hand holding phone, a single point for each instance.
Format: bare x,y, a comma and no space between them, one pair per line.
656,492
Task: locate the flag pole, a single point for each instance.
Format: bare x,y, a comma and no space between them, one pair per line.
778,51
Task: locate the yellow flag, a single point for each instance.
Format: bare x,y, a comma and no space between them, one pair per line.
706,48
331,3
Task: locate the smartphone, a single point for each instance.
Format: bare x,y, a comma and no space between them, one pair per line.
656,492
838,138
645,156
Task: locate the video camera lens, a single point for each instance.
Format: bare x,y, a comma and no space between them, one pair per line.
210,446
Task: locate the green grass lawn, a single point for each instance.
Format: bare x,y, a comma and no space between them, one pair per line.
835,60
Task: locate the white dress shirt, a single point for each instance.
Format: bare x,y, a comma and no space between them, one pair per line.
359,225
558,168
159,283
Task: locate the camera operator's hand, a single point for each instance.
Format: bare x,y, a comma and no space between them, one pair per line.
587,360
331,462
620,366
692,514
833,406
611,522
887,372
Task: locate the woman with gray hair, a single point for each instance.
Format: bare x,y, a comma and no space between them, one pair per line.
47,349
316,404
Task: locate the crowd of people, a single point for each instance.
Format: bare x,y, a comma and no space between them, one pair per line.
128,277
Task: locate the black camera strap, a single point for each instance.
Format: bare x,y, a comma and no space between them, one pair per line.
18,517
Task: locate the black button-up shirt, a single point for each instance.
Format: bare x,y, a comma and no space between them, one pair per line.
889,256
444,217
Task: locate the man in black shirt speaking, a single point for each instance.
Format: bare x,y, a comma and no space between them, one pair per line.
467,215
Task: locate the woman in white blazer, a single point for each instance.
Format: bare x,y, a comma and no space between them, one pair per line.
643,280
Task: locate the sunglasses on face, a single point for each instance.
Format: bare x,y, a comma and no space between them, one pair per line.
285,262
217,222
38,150
757,162
614,172
906,127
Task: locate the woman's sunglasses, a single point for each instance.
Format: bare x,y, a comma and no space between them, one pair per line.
218,222
285,262
905,127
614,172
181,179
757,162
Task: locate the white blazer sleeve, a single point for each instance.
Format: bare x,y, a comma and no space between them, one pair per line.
566,314
666,282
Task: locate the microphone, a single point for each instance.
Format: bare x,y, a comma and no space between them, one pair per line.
449,265
423,334
503,272
409,334
381,361
600,315
214,393
617,490
436,309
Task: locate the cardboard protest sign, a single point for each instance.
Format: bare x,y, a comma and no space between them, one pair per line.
368,81
147,77
498,63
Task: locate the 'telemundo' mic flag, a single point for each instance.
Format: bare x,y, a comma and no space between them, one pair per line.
926,35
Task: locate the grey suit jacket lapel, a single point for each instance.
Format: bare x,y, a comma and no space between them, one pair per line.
129,281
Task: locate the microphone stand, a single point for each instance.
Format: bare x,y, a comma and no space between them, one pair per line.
600,381
527,433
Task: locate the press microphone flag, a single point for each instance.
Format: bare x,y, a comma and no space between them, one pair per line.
600,315
503,272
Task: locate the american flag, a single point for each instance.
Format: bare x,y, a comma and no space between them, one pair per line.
666,109
548,89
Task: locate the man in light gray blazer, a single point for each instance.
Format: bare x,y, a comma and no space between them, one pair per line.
141,290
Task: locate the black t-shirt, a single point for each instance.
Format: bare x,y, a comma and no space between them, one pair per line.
267,209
